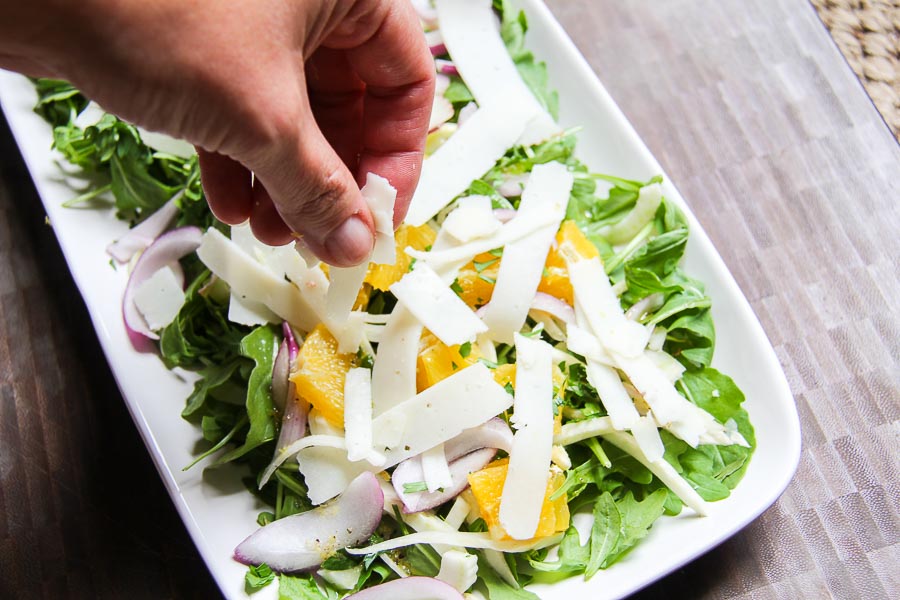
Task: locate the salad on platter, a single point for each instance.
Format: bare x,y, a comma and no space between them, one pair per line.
523,349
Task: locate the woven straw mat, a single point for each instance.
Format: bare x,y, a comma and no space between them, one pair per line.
868,34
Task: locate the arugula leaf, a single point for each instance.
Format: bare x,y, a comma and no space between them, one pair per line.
496,587
59,102
572,559
457,92
258,577
302,587
259,346
201,333
605,533
512,29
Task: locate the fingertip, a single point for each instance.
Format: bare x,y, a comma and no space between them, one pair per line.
265,222
227,186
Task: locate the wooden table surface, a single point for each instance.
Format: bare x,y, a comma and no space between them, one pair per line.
771,139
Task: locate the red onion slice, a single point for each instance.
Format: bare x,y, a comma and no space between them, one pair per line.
303,541
445,66
166,251
410,471
281,371
293,346
554,307
435,42
409,588
143,234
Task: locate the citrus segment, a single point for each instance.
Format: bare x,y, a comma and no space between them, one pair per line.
321,374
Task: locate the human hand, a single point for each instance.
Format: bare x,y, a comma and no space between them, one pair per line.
309,96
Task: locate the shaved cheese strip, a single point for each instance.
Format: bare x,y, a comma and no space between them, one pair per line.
469,31
581,341
159,298
646,435
464,539
529,457
444,313
473,218
662,469
467,155
510,232
394,372
435,469
343,290
346,281
254,281
358,413
672,369
643,212
348,329
381,196
672,410
523,260
328,441
466,399
601,308
327,472
247,312
612,394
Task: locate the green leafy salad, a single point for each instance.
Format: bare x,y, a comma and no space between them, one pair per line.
524,348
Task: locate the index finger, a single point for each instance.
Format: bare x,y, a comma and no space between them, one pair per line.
395,64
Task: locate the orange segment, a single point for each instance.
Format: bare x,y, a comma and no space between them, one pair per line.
555,280
382,277
487,487
438,361
505,374
320,378
478,285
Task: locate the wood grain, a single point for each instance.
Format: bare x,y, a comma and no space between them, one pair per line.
773,142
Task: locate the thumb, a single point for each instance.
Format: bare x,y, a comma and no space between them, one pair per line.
304,184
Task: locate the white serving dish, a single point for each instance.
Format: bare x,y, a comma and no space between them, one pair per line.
214,506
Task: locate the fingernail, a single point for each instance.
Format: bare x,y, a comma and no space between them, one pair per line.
351,242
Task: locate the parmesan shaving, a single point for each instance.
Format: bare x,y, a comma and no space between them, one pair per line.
466,399
613,394
473,218
346,281
647,437
435,469
523,260
425,295
250,279
601,308
529,457
358,413
467,155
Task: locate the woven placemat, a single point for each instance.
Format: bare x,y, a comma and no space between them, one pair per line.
868,34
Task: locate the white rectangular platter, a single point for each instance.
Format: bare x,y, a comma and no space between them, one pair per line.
216,509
